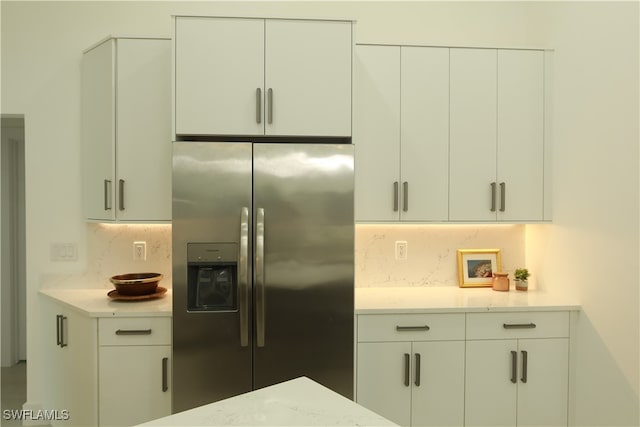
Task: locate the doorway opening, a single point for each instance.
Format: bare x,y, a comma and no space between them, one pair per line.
13,251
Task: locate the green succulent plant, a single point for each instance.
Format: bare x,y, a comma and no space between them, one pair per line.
521,274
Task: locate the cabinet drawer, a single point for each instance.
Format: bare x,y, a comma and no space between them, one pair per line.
410,327
134,331
517,325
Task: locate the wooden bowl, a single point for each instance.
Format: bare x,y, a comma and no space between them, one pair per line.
136,283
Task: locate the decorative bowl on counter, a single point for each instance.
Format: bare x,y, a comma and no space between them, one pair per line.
136,283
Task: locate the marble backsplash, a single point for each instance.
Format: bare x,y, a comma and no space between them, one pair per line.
110,252
431,251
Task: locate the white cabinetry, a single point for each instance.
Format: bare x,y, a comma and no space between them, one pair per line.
410,368
126,130
517,369
70,364
496,135
131,348
401,131
450,134
245,76
105,371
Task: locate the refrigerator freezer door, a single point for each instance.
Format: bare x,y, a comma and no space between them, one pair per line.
303,208
211,204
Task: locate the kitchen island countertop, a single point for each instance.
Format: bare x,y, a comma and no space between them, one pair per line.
298,402
450,299
96,303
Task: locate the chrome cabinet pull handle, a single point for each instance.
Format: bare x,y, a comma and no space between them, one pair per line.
514,366
412,328
503,196
133,332
417,380
518,325
493,197
165,374
121,194
395,196
243,292
107,195
405,196
258,105
270,102
524,367
260,303
407,361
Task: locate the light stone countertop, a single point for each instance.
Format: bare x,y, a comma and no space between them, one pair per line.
298,402
96,303
450,299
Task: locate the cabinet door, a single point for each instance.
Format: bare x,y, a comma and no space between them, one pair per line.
438,397
382,370
308,73
472,167
70,375
134,384
98,131
520,134
490,393
219,76
542,399
376,132
143,137
424,168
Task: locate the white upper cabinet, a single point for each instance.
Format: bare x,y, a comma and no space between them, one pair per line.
520,138
472,143
424,123
376,132
237,76
497,135
219,76
126,136
401,131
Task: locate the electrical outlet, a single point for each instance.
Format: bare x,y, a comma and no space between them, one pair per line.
401,249
140,251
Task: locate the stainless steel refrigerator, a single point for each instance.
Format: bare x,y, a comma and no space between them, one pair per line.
263,248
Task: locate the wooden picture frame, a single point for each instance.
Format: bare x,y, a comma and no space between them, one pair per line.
476,267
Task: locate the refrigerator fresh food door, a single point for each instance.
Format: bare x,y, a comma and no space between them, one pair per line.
303,266
211,246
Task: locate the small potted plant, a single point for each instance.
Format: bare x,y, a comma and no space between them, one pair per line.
521,276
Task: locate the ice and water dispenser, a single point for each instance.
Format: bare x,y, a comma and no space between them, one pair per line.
212,276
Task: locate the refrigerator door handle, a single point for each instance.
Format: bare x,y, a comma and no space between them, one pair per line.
260,278
243,282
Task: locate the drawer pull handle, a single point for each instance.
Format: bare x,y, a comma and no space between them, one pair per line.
133,332
514,367
518,325
412,328
165,375
407,362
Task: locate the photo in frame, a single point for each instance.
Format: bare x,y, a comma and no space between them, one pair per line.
476,266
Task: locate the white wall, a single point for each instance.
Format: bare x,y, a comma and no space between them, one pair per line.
591,252
588,253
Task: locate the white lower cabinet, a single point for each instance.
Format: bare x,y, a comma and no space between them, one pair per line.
134,348
104,371
471,369
517,369
69,365
410,368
